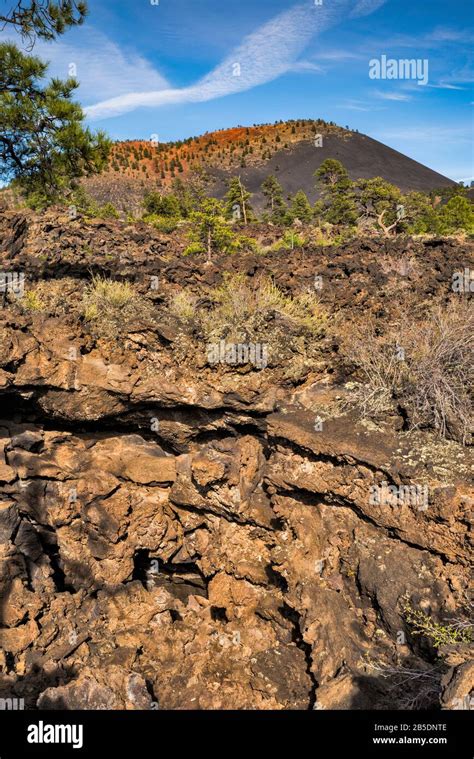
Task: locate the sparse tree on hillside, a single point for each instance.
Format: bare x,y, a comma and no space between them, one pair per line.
190,192
183,194
210,229
273,193
300,207
332,174
43,143
238,195
197,182
337,204
162,205
379,201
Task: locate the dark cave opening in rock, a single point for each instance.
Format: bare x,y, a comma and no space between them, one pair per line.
181,579
219,614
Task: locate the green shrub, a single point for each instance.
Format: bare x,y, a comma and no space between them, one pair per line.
438,634
108,211
162,205
88,207
164,224
194,249
289,241
209,228
244,243
456,216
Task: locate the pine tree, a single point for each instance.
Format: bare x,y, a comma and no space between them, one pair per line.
457,215
46,19
379,200
273,192
300,207
162,205
238,195
338,204
210,229
419,214
332,173
44,146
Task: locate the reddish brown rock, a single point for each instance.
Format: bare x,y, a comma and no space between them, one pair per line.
180,536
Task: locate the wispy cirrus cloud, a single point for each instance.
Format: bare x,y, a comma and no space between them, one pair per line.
398,97
337,55
423,133
445,86
306,67
266,54
447,34
359,105
100,65
438,37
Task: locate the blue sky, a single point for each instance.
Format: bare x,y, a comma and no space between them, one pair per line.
178,68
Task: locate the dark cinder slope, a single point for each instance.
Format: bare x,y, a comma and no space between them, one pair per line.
286,149
361,155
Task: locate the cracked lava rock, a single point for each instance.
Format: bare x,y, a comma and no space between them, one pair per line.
180,536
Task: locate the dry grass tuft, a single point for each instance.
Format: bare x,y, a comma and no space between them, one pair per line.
32,301
109,306
251,310
103,293
184,305
424,365
54,297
